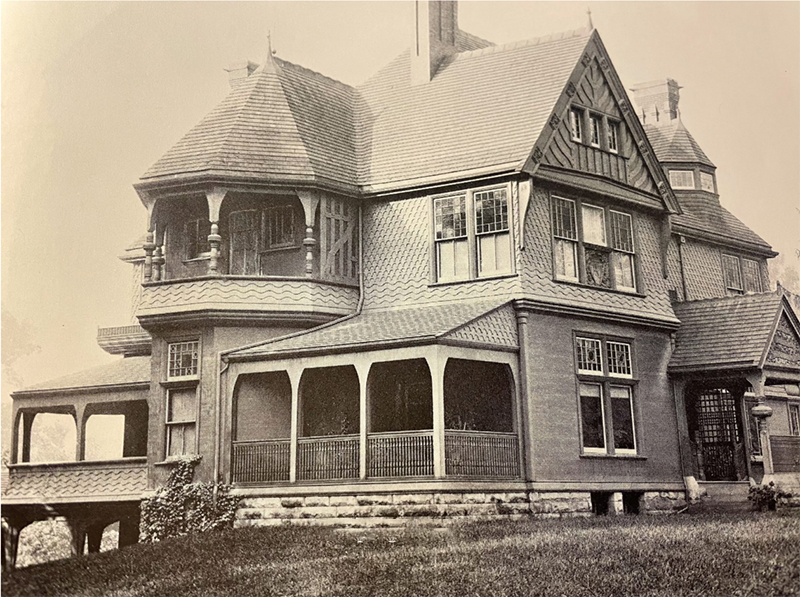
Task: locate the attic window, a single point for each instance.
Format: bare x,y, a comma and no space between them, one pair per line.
707,182
613,136
594,130
681,179
575,124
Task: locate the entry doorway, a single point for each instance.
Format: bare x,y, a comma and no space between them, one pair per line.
716,431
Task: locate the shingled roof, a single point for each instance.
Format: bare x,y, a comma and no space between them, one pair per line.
483,322
724,333
673,143
130,370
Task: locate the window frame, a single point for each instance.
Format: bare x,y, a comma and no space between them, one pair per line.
472,236
794,421
606,382
193,239
612,135
580,246
738,263
198,359
182,424
682,187
576,124
711,178
595,130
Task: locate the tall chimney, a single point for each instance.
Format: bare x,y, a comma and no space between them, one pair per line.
657,101
436,23
239,71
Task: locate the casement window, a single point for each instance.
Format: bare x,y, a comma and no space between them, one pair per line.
681,179
605,396
472,235
794,419
596,249
741,275
197,244
707,182
182,360
256,231
575,117
594,130
613,136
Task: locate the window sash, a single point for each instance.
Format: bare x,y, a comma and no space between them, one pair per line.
621,231
279,227
594,225
613,136
681,179
181,439
590,356
450,217
183,359
564,220
622,419
618,355
491,211
566,260
706,182
794,419
197,244
593,419
594,130
751,276
575,124
733,277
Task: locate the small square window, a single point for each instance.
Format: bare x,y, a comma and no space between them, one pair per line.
707,182
681,179
575,124
613,136
619,359
183,359
594,131
590,357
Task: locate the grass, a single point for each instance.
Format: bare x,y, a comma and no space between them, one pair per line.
682,555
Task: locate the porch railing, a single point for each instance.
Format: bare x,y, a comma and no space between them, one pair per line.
400,454
785,453
261,461
330,457
481,454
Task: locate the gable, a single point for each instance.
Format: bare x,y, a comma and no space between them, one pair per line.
784,351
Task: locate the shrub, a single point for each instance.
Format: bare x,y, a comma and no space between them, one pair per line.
766,496
182,507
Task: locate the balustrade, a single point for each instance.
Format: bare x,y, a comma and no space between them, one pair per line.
261,461
481,454
332,457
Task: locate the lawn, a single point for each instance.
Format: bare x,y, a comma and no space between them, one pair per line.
678,555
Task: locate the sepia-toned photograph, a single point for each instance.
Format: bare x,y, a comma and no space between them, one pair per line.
404,298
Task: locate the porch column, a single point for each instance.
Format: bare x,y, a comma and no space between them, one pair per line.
523,414
149,247
77,529
437,364
94,534
214,198
693,491
158,255
294,379
27,425
762,412
310,201
12,527
362,368
80,432
129,530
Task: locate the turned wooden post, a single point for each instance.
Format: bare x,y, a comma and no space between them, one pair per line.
310,201
149,246
214,197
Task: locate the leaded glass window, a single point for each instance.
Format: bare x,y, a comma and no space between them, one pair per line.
590,357
183,359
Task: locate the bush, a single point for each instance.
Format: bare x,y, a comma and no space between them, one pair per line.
766,496
183,507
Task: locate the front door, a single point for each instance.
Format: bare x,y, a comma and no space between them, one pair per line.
716,430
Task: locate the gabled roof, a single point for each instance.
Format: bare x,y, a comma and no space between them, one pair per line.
726,333
485,323
130,370
673,143
283,122
702,212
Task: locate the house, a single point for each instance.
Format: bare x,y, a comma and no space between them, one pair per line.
483,283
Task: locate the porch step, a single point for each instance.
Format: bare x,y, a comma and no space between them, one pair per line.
726,492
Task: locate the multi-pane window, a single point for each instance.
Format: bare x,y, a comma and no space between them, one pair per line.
181,421
279,227
751,275
605,399
183,359
594,130
575,116
197,244
599,252
472,235
681,179
257,231
794,419
733,277
741,275
613,136
707,182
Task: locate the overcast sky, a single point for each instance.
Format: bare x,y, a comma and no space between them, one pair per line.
94,93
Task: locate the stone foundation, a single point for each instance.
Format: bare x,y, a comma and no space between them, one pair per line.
436,508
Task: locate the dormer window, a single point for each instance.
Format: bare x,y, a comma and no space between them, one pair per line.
575,124
613,136
594,131
197,245
707,182
681,179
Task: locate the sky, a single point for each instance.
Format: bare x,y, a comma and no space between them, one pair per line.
94,93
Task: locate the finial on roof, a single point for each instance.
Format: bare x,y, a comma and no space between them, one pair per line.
270,51
589,15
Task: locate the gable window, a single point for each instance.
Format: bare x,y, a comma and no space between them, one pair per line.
613,136
575,116
598,252
254,232
183,360
794,419
605,397
594,131
472,235
707,182
741,275
197,244
681,179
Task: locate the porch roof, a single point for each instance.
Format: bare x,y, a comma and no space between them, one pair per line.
483,323
126,371
737,332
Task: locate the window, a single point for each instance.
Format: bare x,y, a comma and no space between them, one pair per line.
594,131
741,275
197,244
183,360
613,136
600,253
605,398
794,419
575,124
681,179
181,419
279,227
472,235
257,231
707,182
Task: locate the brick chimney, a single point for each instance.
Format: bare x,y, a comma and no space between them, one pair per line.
657,101
239,71
436,23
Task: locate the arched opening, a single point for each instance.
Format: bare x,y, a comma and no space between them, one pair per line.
105,437
329,424
400,395
115,430
262,427
53,438
479,419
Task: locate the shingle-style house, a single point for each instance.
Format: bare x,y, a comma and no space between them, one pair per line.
485,282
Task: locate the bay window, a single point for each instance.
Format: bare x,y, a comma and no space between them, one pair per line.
605,394
596,249
472,235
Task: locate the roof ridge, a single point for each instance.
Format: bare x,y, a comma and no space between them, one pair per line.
533,41
313,72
